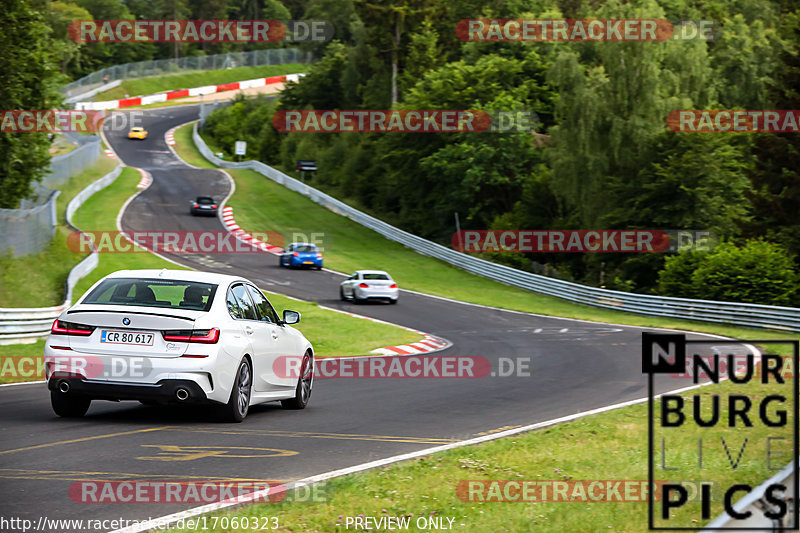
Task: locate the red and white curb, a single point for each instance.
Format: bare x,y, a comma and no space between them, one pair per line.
183,93
428,344
170,136
231,225
110,153
146,179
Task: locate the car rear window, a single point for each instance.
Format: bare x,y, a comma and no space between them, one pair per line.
164,293
205,200
306,248
375,276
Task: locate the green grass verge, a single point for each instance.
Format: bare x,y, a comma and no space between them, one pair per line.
331,333
38,280
607,446
186,148
61,146
198,78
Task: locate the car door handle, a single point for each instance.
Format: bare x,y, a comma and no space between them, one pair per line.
274,336
249,330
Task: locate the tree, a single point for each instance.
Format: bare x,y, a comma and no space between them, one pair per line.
321,87
388,21
776,174
58,16
29,74
99,55
744,59
694,181
758,272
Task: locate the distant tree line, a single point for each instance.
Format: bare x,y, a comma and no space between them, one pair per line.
603,157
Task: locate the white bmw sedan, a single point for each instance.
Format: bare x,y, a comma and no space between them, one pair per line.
177,336
369,284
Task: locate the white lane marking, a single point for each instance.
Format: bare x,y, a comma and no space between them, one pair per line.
20,383
276,282
111,148
262,495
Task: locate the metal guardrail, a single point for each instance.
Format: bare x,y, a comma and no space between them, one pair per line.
158,67
20,324
30,228
92,92
754,503
743,314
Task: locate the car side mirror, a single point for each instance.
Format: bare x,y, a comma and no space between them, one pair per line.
291,317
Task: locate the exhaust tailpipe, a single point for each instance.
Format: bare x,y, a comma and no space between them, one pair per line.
63,386
182,394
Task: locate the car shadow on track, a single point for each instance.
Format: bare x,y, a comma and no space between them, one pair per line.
135,413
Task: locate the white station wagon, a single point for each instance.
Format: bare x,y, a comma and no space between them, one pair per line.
177,336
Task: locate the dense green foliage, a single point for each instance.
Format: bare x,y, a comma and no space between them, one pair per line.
602,156
80,59
759,272
28,77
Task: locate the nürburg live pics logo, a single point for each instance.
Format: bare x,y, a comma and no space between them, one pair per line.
738,435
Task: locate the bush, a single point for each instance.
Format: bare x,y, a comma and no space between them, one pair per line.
675,279
759,272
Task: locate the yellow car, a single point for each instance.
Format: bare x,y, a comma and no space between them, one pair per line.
137,133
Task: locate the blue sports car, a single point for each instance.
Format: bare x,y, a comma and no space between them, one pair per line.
301,254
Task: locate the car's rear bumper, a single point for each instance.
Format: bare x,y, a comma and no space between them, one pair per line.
307,263
367,294
165,391
209,212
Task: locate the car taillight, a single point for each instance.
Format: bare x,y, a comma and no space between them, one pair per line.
393,286
213,206
204,336
69,328
296,254
363,285
319,255
196,205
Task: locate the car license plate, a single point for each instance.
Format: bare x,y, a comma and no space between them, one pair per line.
308,262
137,338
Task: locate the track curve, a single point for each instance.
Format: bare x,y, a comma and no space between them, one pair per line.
576,366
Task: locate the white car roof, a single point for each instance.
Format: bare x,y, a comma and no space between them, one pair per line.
372,272
186,275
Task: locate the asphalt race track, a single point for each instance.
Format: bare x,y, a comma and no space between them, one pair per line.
575,366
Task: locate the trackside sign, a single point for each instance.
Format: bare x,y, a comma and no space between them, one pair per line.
736,432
